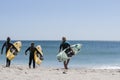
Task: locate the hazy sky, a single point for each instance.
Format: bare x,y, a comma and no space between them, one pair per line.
52,19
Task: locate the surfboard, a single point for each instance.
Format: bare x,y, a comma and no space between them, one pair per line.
37,57
13,51
62,56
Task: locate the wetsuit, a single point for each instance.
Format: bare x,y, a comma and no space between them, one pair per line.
7,45
66,45
69,52
31,57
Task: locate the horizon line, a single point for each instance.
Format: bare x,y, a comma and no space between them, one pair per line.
55,40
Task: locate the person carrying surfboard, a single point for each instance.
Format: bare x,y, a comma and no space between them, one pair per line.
7,44
32,49
69,51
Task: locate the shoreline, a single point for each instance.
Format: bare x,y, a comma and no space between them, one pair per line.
69,66
19,72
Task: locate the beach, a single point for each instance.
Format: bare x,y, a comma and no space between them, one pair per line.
97,60
22,72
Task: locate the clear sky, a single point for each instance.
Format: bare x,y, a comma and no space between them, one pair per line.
52,19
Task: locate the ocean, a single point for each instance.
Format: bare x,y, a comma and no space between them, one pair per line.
93,54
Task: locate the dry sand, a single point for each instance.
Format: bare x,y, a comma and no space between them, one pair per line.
44,73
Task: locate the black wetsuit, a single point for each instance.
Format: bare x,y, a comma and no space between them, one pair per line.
66,45
31,57
7,45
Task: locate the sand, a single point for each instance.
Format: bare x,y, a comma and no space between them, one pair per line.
43,73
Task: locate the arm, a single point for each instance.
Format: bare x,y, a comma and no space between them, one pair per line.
69,47
12,45
39,53
41,56
27,50
3,48
60,47
72,52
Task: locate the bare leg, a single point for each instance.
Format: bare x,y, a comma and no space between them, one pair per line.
65,65
67,61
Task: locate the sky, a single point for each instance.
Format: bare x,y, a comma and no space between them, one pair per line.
52,19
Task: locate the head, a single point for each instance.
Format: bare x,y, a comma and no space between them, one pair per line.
32,44
8,39
63,39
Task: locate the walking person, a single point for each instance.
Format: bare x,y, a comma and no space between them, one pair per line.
32,50
7,44
69,51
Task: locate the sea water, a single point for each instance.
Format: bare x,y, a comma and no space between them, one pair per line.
93,54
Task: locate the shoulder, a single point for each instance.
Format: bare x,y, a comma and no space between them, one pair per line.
67,43
10,43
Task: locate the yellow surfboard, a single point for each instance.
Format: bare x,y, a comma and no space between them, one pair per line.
37,57
13,51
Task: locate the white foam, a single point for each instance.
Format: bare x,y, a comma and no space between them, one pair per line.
106,67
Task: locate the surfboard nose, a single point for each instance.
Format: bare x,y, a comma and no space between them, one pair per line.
79,45
18,45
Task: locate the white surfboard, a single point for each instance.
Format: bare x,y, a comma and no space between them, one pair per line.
62,56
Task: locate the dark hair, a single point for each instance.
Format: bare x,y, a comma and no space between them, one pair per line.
64,38
8,38
32,43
